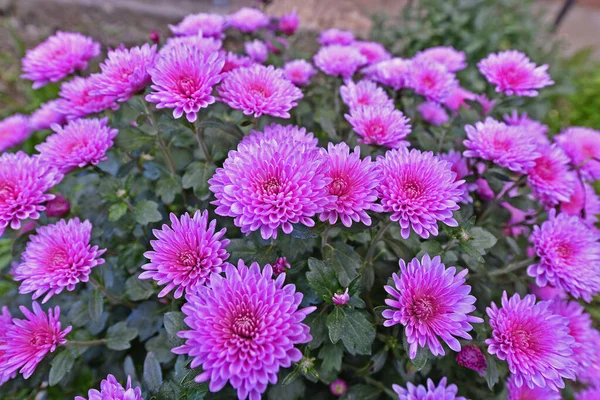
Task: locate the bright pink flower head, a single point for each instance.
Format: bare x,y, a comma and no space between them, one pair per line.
533,340
234,61
352,187
14,130
299,72
373,51
363,93
524,392
27,341
76,99
288,23
484,190
111,389
341,299
338,60
583,201
60,55
272,185
23,182
471,357
419,190
259,90
338,387
5,322
257,50
433,113
58,257
208,25
458,98
48,114
394,72
281,264
280,134
486,104
243,328
569,255
186,253
582,145
550,179
547,292
591,393
125,72
380,125
514,74
591,375
58,206
507,146
336,36
247,20
532,127
448,56
206,45
183,80
432,81
431,392
80,143
460,167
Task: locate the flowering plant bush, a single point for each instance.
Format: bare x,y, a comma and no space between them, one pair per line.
197,222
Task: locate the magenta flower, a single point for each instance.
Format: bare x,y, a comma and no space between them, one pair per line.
569,254
257,50
186,254
533,340
380,125
507,146
550,179
60,55
299,72
58,206
433,113
336,36
243,329
76,99
14,130
583,201
471,357
183,80
280,265
582,145
271,185
5,322
432,81
46,115
458,165
24,181
458,98
352,187
338,387
288,23
80,143
547,292
341,299
419,190
259,90
58,257
206,45
518,218
111,389
373,51
234,61
27,341
247,20
448,56
514,74
524,392
591,393
431,392
394,73
364,93
208,25
532,127
484,190
280,134
338,60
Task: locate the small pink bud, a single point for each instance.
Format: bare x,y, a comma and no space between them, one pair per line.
471,357
341,299
280,266
58,206
288,23
154,37
338,387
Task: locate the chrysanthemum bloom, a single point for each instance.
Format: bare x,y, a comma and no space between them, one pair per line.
183,80
272,185
247,20
288,23
234,61
125,72
280,265
60,55
338,60
243,329
524,392
471,357
533,340
458,98
299,72
24,181
186,254
569,255
433,303
431,392
364,93
257,50
80,143
582,145
532,127
336,36
484,190
373,51
58,206
259,90
338,387
514,74
448,56
14,130
209,25
280,134
547,292
58,257
352,187
433,113
583,201
380,125
485,103
5,321
518,218
393,73
550,179
206,45
341,299
507,146
111,389
432,81
419,190
76,99
459,166
28,341
46,115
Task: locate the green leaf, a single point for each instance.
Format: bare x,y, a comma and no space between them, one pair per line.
152,373
344,260
431,247
174,323
491,371
78,314
196,176
159,345
146,211
96,305
358,333
294,390
119,335
482,239
422,356
303,232
335,323
318,329
133,139
361,392
61,365
116,211
321,278
220,125
137,289
167,188
332,355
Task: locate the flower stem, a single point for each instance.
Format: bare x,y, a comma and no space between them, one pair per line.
113,298
379,385
376,238
512,267
84,343
200,139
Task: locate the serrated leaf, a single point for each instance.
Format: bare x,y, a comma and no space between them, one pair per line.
332,355
96,305
344,260
196,176
131,139
168,187
335,324
481,239
293,390
303,232
361,392
321,278
431,247
119,335
61,365
318,329
152,373
136,289
146,211
174,323
491,372
78,314
358,333
116,211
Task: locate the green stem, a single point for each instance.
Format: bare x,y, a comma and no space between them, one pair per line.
512,267
112,297
84,343
381,386
200,139
376,238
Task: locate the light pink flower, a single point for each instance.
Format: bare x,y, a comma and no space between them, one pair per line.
582,145
458,98
336,36
532,127
280,134
433,113
524,392
299,72
14,130
76,99
394,72
247,20
111,389
431,392
257,50
373,51
432,81
550,179
380,125
338,60
208,25
46,115
363,93
448,56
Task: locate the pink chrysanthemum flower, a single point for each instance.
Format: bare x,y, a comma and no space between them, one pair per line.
206,45
80,143
60,55
448,56
591,393
271,185
507,146
76,99
125,72
524,392
459,166
281,264
257,50
5,322
419,190
380,125
183,80
336,36
432,81
583,201
243,328
58,206
299,72
547,292
186,253
338,60
533,340
46,115
433,303
24,181
27,341
259,90
288,23
247,20
234,61
486,104
514,74
519,219
582,145
373,51
338,388
550,179
353,186
208,25
364,93
394,73
58,257
471,357
14,130
431,392
569,255
433,113
458,98
280,134
591,375
111,389
484,190
532,127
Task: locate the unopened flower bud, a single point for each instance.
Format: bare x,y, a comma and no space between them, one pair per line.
58,206
340,299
